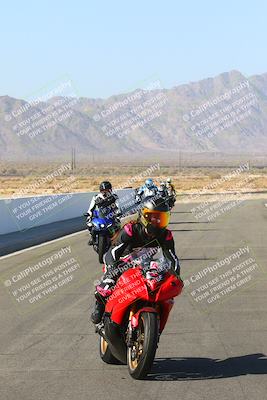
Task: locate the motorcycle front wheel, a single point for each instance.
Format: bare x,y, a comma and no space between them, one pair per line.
102,246
141,355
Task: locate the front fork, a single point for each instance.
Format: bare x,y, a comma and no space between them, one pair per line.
131,335
132,331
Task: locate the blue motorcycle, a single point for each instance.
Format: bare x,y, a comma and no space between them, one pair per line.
102,228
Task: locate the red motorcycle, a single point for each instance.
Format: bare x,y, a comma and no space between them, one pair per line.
136,314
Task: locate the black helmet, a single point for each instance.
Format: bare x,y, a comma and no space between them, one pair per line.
105,186
155,215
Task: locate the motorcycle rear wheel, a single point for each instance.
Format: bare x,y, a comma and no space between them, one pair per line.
105,352
141,355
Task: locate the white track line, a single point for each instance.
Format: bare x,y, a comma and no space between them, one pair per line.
40,245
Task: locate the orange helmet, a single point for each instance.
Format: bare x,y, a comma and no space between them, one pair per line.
155,215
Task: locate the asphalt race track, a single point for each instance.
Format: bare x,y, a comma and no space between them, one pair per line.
209,350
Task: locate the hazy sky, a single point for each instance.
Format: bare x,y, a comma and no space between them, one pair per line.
109,47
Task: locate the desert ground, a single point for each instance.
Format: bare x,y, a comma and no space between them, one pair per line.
35,179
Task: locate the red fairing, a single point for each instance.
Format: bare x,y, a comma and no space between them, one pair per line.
163,297
169,235
130,286
135,317
171,287
165,309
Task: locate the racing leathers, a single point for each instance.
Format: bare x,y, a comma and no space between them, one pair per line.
144,192
171,189
163,192
108,202
131,237
134,236
171,194
109,206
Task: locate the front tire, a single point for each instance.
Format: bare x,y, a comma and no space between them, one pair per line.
105,352
141,355
102,243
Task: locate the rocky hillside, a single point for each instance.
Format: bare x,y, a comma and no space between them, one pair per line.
224,114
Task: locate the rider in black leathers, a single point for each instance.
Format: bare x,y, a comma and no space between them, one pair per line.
105,200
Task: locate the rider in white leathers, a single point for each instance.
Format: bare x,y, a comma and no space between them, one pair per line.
147,190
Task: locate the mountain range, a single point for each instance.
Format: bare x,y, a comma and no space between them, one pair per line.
225,114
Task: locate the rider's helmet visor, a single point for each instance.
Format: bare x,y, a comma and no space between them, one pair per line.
105,190
159,219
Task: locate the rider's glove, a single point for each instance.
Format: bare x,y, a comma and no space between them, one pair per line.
177,269
89,218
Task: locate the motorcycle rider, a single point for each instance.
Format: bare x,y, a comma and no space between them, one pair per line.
171,192
106,201
147,190
150,230
163,191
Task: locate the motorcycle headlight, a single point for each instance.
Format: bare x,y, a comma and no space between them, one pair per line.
102,225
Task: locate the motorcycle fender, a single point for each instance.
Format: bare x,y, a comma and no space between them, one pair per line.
135,317
103,232
116,341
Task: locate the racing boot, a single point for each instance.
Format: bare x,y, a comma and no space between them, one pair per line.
98,312
103,290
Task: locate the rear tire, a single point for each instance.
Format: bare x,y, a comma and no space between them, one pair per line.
139,365
105,352
102,243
